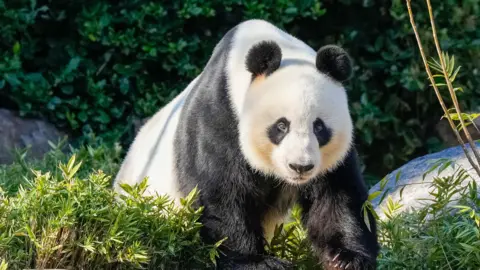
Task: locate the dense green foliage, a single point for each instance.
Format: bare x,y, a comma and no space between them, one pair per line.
65,214
96,66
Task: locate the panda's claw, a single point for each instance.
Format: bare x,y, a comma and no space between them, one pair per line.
336,256
340,259
345,264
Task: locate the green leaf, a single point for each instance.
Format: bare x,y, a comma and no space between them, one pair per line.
468,247
12,79
366,218
102,117
397,176
291,10
401,192
3,265
384,195
127,188
124,85
72,65
364,99
74,170
383,182
430,170
452,78
82,116
458,89
67,89
444,166
16,48
71,163
374,195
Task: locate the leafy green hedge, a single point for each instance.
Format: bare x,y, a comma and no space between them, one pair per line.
96,66
59,220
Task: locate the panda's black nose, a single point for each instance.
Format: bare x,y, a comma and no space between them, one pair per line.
300,168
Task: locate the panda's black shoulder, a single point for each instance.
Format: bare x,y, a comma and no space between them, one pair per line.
207,124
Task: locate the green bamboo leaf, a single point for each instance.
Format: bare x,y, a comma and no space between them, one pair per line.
384,195
366,219
383,182
452,78
374,195
397,176
401,192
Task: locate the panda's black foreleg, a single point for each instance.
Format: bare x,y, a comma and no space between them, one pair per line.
227,214
334,220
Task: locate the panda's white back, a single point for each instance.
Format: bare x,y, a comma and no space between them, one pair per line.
151,153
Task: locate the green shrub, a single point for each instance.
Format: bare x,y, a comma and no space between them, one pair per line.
96,66
58,219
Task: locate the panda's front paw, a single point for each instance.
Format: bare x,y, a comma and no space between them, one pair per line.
343,259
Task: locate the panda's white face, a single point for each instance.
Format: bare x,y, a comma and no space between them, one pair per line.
295,123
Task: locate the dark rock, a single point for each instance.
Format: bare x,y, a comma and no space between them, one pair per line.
448,137
16,132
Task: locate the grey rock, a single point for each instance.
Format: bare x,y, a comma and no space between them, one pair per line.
16,132
417,189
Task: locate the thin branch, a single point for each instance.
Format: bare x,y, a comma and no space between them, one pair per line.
437,92
449,84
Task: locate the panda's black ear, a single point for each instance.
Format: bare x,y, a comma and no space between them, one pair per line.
263,58
335,62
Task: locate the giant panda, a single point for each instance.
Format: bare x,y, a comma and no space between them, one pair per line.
265,125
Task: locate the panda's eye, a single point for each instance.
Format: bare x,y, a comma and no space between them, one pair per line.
318,127
278,130
282,126
321,131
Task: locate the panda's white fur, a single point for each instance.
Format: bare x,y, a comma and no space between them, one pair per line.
301,94
151,152
297,91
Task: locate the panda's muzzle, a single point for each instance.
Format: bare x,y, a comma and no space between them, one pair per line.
300,169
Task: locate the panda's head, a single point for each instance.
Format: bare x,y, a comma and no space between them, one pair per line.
295,123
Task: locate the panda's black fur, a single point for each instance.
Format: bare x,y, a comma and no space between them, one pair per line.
235,197
263,58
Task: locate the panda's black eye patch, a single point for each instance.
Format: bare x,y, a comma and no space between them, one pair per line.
321,131
278,130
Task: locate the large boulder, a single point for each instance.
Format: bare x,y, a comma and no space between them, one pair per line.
16,132
415,187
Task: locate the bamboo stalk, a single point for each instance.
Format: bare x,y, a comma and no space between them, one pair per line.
449,84
437,92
